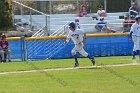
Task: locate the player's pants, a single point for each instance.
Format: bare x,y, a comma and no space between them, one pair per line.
8,53
79,48
136,41
2,54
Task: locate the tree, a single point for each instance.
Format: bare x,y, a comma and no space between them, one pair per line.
118,5
5,14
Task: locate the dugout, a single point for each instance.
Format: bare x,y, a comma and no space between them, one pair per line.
52,47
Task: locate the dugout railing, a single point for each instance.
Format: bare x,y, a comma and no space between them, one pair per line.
52,47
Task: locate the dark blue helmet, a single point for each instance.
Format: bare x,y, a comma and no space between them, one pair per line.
137,17
72,24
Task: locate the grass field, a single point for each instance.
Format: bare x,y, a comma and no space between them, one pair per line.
124,79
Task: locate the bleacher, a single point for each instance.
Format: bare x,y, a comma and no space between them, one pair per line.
56,21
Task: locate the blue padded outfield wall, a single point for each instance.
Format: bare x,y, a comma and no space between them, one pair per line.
15,47
54,48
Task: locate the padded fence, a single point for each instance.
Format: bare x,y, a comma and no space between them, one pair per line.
15,46
53,47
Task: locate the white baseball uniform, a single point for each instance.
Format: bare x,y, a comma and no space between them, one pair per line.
136,36
77,38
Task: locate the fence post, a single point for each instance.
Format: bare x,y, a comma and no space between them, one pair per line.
23,44
47,32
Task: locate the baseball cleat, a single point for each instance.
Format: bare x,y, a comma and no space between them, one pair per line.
76,65
93,61
133,57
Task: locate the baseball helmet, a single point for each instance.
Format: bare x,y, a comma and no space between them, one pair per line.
3,36
72,25
137,17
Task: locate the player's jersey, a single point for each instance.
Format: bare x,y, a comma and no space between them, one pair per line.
135,28
76,36
4,45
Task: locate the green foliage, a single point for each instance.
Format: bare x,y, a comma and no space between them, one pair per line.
5,14
118,5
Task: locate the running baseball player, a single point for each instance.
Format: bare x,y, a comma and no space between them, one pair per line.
135,37
78,37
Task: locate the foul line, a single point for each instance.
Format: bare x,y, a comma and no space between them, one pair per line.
57,69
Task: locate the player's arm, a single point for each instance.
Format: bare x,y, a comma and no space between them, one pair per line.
130,35
67,39
131,32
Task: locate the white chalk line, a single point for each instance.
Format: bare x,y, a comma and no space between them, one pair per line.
71,68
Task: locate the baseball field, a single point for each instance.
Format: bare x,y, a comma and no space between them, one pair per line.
114,74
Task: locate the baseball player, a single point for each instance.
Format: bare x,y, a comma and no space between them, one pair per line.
4,45
78,37
135,36
1,53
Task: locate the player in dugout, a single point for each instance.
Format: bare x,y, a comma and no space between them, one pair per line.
5,47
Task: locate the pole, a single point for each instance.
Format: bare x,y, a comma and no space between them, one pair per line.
50,7
23,44
77,5
30,19
21,11
105,6
13,15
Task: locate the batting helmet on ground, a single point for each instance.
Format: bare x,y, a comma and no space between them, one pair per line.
72,25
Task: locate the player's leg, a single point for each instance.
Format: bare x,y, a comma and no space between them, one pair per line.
85,54
73,52
135,47
134,52
8,53
2,55
138,47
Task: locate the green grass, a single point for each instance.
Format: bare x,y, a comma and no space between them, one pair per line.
90,80
59,63
74,81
